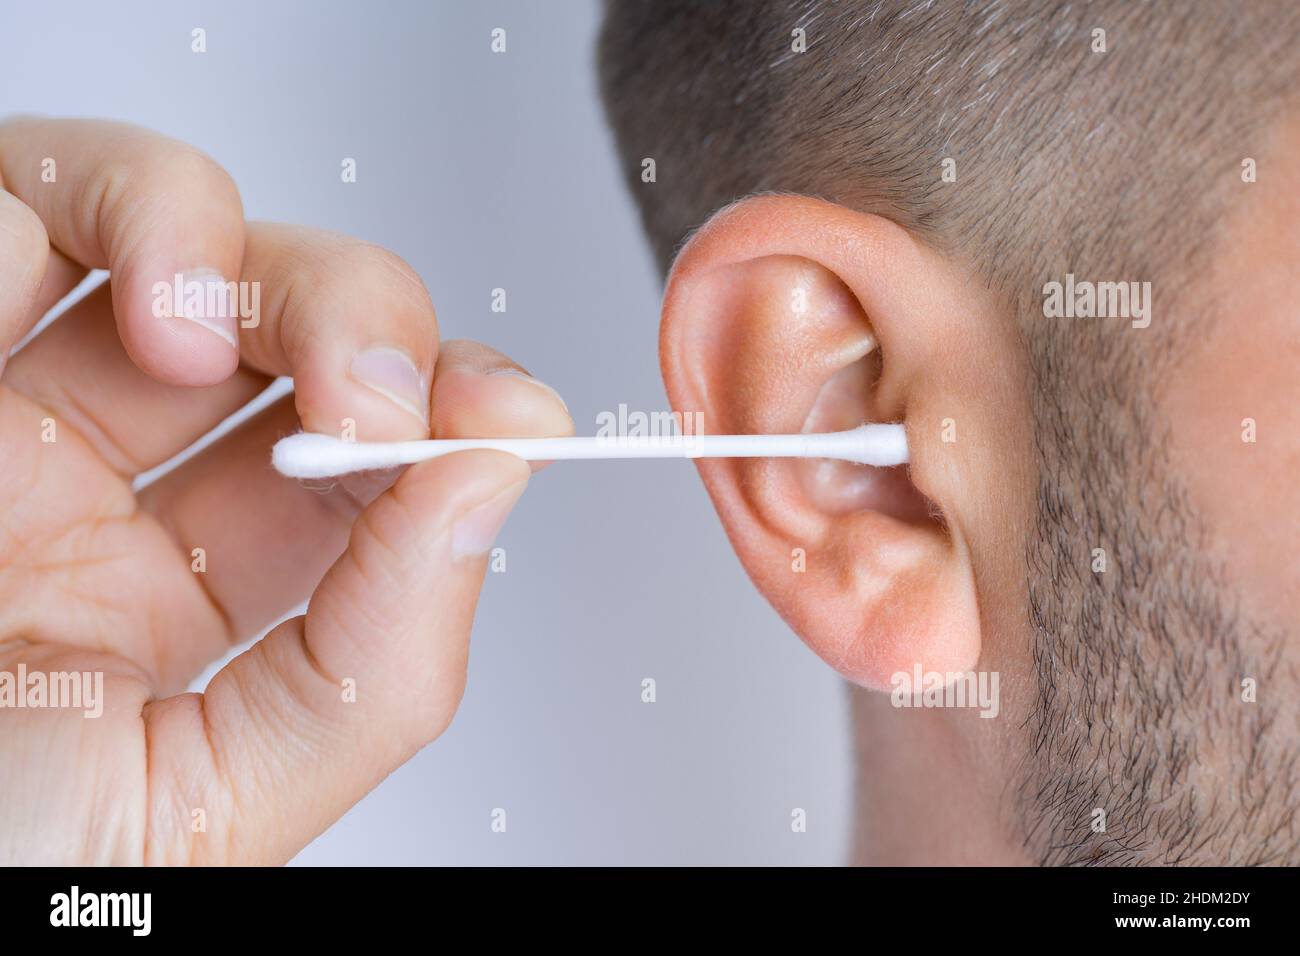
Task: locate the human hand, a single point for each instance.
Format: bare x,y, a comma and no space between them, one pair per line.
143,590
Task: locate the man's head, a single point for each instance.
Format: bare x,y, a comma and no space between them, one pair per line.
1101,505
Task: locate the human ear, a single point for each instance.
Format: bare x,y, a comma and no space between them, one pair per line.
786,314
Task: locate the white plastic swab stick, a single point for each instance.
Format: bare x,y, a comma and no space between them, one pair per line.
308,455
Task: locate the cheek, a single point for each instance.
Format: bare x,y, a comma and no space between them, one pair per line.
1234,411
1234,406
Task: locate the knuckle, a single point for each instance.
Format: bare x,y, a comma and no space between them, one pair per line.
383,273
444,701
181,166
350,271
140,181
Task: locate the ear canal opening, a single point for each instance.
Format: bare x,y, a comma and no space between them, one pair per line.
846,400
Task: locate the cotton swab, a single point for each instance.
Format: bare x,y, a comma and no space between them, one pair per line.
308,455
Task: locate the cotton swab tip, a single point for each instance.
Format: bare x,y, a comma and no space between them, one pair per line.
307,455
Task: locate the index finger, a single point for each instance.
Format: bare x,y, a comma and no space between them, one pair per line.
161,216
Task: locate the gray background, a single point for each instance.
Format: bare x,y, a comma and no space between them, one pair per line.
486,170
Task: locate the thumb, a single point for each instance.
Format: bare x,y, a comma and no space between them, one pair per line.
317,713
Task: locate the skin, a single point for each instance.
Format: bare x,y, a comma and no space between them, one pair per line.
96,578
887,582
885,587
924,565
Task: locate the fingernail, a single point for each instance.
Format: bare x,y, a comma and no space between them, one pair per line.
207,299
392,374
524,376
473,534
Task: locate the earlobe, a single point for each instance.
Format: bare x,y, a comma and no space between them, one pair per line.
763,332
